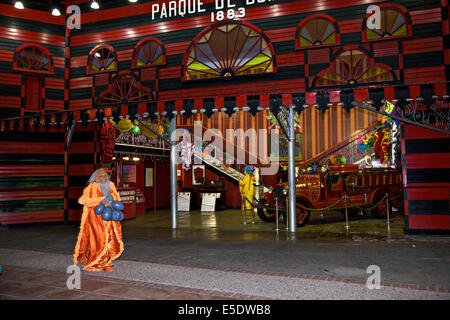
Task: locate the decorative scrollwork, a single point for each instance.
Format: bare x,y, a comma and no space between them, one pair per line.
437,115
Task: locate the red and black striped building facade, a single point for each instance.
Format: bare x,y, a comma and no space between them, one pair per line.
417,63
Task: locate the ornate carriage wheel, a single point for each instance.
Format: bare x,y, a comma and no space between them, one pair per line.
302,215
267,214
380,210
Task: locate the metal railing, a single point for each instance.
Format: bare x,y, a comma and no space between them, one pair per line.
345,199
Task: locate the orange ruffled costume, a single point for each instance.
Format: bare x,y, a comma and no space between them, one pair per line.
99,242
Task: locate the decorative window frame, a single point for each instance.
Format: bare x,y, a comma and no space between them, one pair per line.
41,48
372,63
216,25
382,7
139,45
113,82
91,55
308,19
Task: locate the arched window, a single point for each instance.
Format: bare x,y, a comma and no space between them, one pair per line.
353,67
317,30
390,21
125,88
148,52
228,49
102,58
33,58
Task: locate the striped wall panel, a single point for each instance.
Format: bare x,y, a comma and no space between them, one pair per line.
426,170
82,159
31,177
18,27
420,58
319,131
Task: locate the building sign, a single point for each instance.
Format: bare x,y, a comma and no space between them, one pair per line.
222,9
127,196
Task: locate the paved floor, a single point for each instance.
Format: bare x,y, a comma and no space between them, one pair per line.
213,256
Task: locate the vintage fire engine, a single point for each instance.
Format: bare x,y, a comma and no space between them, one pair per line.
338,187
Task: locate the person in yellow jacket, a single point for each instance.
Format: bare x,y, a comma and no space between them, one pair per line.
247,189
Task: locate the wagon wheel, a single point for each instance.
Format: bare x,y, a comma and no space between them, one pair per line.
380,210
302,215
397,200
267,214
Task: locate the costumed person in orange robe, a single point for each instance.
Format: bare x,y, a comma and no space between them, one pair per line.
99,242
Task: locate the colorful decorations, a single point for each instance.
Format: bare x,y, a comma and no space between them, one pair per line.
365,142
247,189
338,159
187,150
110,212
381,146
124,125
135,128
203,149
249,169
251,53
312,168
147,132
225,161
390,108
107,141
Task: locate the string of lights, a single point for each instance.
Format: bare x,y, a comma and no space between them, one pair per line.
55,7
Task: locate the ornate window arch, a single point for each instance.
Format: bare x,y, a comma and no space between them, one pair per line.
227,49
102,58
317,30
148,52
352,66
394,22
125,88
34,58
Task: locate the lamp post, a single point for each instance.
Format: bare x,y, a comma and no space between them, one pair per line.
173,172
291,172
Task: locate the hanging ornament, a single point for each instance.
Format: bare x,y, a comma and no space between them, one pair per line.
187,151
135,129
124,125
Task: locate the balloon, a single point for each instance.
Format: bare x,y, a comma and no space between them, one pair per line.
107,213
115,215
121,216
117,205
135,129
99,209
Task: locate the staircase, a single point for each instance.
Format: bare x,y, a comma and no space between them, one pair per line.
231,174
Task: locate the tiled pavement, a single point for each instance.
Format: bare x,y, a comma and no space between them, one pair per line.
19,283
215,259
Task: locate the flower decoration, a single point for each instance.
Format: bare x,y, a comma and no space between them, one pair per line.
135,128
365,142
338,159
249,169
312,168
